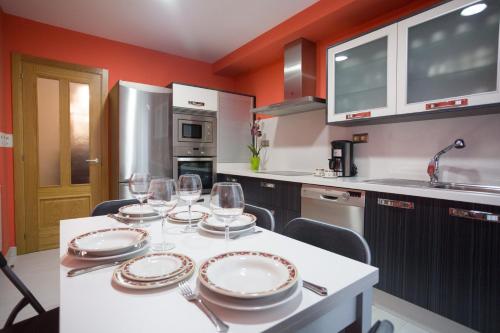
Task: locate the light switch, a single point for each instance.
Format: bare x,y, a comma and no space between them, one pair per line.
5,140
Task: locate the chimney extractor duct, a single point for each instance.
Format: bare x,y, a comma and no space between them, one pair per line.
300,81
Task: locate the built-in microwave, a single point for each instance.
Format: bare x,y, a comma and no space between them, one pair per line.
191,128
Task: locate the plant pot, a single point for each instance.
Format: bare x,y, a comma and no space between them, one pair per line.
254,163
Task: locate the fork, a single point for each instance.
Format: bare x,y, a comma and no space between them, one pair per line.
188,294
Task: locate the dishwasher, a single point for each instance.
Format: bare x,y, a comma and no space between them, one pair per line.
339,206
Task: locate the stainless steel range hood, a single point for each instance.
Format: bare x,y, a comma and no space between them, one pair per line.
300,81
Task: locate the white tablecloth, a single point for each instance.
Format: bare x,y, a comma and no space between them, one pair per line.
91,303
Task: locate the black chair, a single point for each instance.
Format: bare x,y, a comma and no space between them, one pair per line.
329,237
45,321
112,206
265,218
383,326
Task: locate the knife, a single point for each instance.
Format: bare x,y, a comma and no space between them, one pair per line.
83,270
322,291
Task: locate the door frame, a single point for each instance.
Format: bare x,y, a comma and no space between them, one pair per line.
17,116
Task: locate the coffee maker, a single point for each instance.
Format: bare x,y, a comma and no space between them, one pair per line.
342,159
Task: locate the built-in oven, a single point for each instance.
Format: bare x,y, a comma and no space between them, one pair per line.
205,167
189,129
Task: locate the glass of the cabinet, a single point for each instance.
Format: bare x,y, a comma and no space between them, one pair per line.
361,77
453,55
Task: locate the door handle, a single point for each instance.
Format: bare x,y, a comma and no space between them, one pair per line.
396,203
474,215
93,161
196,103
267,185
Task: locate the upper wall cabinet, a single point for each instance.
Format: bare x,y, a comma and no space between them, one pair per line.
448,57
191,97
362,76
233,127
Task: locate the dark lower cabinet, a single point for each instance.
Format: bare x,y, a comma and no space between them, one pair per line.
281,198
441,255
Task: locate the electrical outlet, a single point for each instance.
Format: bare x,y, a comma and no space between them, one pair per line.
360,138
5,140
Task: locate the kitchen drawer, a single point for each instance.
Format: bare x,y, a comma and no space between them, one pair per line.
194,97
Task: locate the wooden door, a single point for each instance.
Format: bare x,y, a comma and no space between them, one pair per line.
62,114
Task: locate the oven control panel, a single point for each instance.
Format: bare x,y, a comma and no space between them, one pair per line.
198,151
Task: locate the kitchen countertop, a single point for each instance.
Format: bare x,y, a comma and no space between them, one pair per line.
357,183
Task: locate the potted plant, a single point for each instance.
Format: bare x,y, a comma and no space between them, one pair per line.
256,146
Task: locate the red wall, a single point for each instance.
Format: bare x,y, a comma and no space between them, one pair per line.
266,83
124,62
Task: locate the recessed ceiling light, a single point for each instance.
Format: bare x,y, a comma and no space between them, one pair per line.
474,9
341,58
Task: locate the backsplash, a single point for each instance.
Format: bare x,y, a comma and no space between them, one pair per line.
399,150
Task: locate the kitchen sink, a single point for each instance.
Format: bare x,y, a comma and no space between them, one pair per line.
468,187
441,185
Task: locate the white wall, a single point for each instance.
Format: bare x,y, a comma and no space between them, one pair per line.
400,150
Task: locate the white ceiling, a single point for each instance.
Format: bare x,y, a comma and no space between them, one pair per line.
200,29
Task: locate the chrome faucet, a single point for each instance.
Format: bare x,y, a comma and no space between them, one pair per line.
433,167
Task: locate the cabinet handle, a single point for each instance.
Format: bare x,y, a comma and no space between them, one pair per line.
267,185
195,103
447,104
358,115
234,180
474,215
396,203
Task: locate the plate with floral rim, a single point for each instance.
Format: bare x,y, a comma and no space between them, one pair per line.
109,241
155,266
248,274
125,282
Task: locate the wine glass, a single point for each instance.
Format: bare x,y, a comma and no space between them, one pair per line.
190,191
163,197
227,203
138,184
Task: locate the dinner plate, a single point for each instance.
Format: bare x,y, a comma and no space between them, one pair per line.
137,219
111,241
123,281
248,274
183,216
202,226
243,221
256,304
82,255
136,211
155,266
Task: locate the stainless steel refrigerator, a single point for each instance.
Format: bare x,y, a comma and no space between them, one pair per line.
140,134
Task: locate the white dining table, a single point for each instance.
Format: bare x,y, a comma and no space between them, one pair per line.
93,303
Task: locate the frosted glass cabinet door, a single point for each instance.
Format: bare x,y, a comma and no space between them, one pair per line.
362,76
448,57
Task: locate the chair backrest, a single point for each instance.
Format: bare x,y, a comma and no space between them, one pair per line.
329,237
111,206
28,297
383,326
265,218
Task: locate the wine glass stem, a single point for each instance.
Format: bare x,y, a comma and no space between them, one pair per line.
189,209
163,220
226,232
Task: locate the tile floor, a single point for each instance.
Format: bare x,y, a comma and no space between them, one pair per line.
40,272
